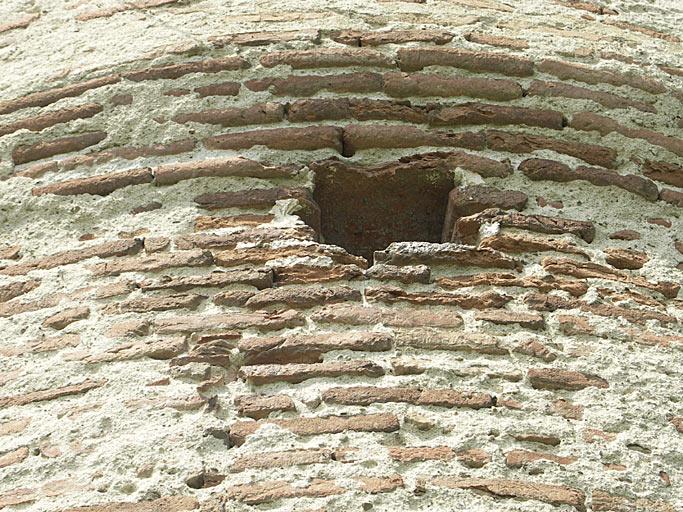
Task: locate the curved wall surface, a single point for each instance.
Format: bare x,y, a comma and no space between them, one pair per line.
324,255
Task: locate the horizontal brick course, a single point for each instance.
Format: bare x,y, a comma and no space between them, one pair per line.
327,58
177,70
97,185
28,153
308,138
299,372
40,122
415,59
402,85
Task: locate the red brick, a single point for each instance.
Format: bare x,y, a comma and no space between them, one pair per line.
304,273
673,197
66,317
368,395
581,73
664,171
428,339
17,288
474,458
253,198
483,113
406,454
520,458
303,296
349,314
415,59
266,37
485,167
20,22
146,304
260,320
393,294
606,99
258,407
588,121
307,85
625,258
383,422
544,284
299,372
256,235
153,262
259,278
219,89
101,185
407,253
154,349
553,378
376,38
44,149
409,274
503,317
262,253
505,42
44,98
311,110
526,143
40,122
603,501
185,68
170,174
308,138
50,394
283,459
260,113
309,348
167,504
272,490
535,348
375,485
554,494
327,58
532,437
401,85
541,169
625,234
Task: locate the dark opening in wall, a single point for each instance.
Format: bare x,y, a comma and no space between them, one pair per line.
364,209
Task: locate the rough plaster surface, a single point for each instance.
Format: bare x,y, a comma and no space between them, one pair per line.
123,442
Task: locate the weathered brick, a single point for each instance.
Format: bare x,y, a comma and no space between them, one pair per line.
625,234
554,494
606,99
260,320
206,222
15,426
533,437
602,501
19,22
310,426
588,121
262,254
146,304
350,314
535,348
673,197
40,122
526,143
625,258
407,454
518,243
253,198
401,85
368,395
542,169
566,409
307,85
153,262
308,138
266,37
299,372
218,89
134,327
272,490
503,317
170,174
44,98
303,296
589,270
544,284
664,171
430,339
167,504
505,42
283,459
260,113
377,37
393,294
582,73
257,235
177,70
258,407
10,252
310,110
50,394
309,348
17,288
327,58
485,167
483,113
259,278
553,378
13,457
415,59
408,274
467,228
101,185
305,273
402,253
154,349
520,458
44,149
375,485
474,458
66,317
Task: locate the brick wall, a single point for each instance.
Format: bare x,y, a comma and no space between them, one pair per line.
178,335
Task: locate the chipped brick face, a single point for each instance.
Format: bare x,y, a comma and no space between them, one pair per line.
390,255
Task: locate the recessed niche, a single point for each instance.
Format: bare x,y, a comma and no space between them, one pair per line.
364,209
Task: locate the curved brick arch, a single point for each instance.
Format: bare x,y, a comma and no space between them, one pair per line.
182,333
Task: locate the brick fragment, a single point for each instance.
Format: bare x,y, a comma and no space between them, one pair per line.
327,58
474,458
265,492
588,121
266,37
542,169
13,457
135,327
349,314
283,459
258,407
303,273
467,228
50,394
402,85
503,317
526,143
602,501
407,253
375,485
535,348
303,296
307,85
505,42
625,258
310,110
258,235
254,198
544,284
520,458
393,294
259,278
415,59
308,138
309,348
554,494
14,426
170,174
483,113
44,98
606,99
567,409
66,317
17,288
165,303
101,185
677,422
155,349
167,504
10,252
666,172
408,274
44,149
260,113
261,320
218,89
377,38
206,223
40,122
553,378
177,70
430,339
20,22
263,253
382,422
625,234
153,262
532,437
299,372
367,395
421,453
672,197
582,73
485,167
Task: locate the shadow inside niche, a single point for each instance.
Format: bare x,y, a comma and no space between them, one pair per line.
364,209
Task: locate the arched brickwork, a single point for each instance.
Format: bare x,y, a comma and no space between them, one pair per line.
178,335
